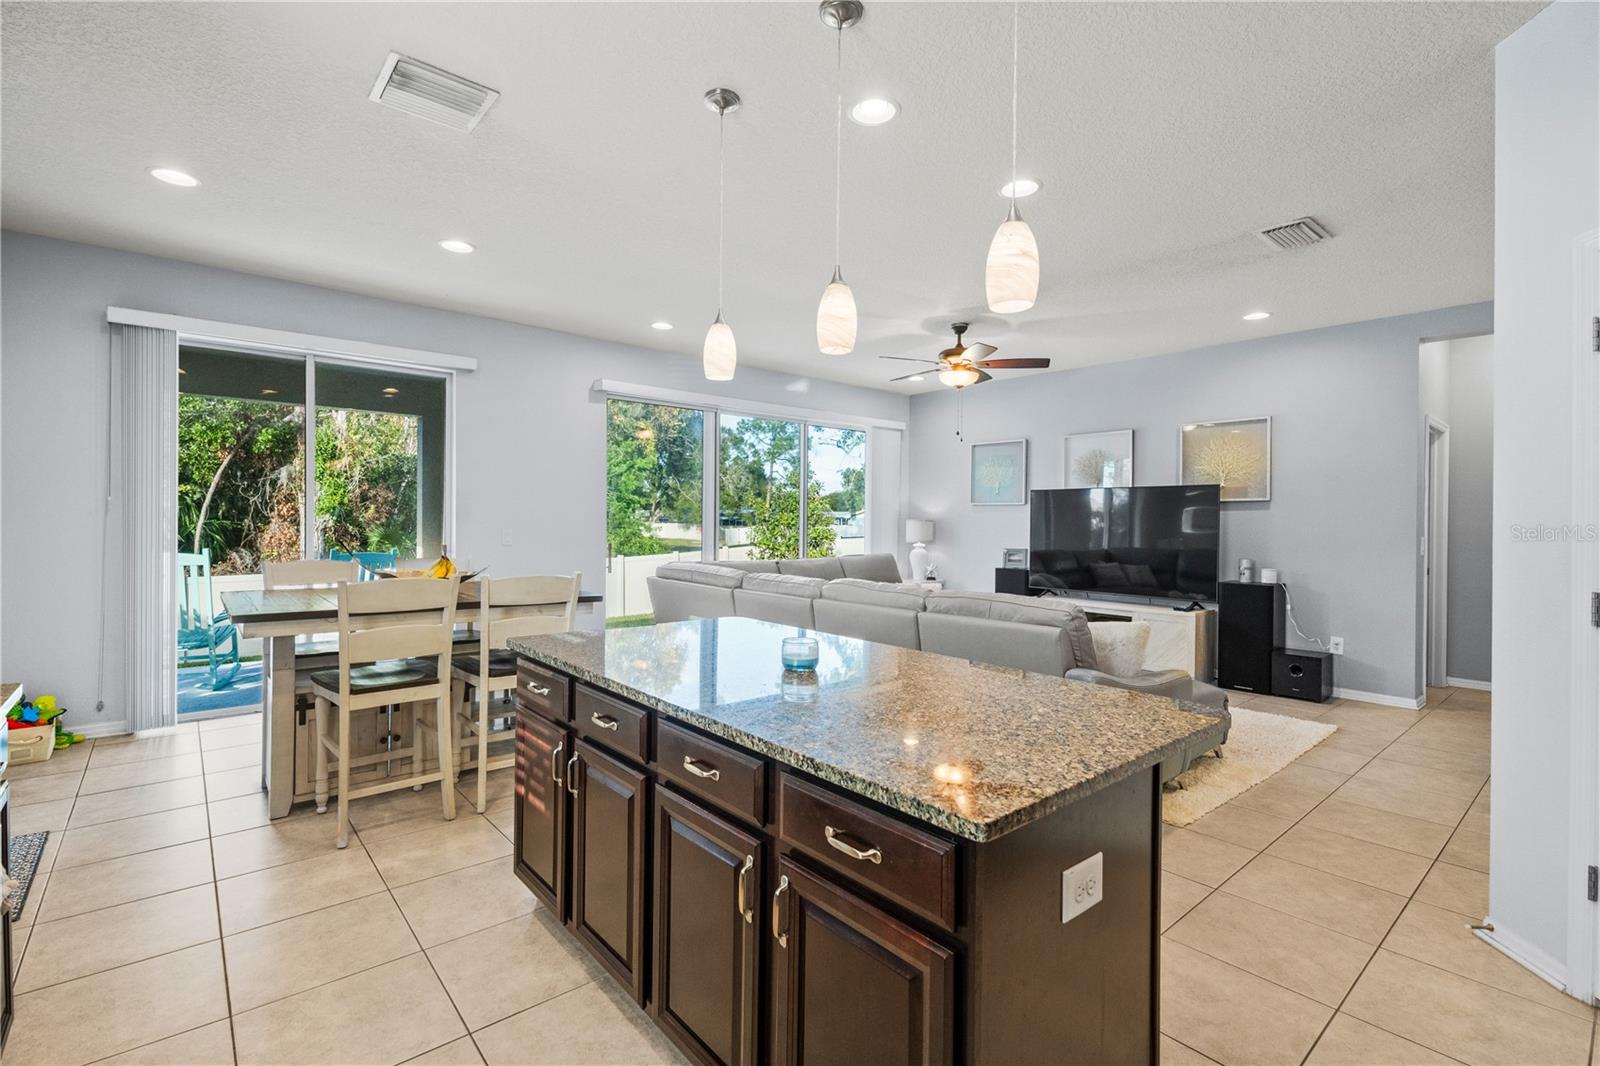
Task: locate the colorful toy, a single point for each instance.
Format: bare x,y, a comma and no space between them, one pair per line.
43,711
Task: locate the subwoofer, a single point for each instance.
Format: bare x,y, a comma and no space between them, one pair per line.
1250,619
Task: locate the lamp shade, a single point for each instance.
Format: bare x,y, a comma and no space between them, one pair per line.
958,377
1011,275
836,319
720,356
919,530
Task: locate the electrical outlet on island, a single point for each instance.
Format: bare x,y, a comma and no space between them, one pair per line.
1336,645
1082,886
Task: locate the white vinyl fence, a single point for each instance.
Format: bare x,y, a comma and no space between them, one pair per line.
627,594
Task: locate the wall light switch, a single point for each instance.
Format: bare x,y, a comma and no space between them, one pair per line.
1082,886
505,538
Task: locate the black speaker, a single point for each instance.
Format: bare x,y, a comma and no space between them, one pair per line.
1012,579
1249,628
1302,675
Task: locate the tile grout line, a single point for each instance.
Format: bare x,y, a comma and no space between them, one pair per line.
216,896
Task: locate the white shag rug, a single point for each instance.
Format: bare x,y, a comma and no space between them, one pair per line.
1259,745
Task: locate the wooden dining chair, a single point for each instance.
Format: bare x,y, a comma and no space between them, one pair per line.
507,607
309,573
394,648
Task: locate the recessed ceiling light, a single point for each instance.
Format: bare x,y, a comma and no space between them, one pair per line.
269,392
391,391
874,111
174,177
1257,316
458,247
661,324
1025,187
915,377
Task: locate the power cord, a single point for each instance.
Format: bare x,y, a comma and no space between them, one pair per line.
1288,610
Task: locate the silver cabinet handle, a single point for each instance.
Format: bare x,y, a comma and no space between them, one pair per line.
837,840
572,778
747,911
779,928
538,690
555,763
697,768
604,721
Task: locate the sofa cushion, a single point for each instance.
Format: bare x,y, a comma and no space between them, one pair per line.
701,574
827,569
876,567
875,593
750,566
785,585
1028,610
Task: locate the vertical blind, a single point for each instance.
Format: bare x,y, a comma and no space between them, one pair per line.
145,482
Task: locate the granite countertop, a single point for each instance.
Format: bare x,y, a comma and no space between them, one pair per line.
975,750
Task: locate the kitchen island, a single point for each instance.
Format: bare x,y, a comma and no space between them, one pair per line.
864,863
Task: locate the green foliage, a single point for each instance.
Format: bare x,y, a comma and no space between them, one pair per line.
653,470
775,533
367,481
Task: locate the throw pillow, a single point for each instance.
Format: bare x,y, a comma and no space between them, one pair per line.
1119,647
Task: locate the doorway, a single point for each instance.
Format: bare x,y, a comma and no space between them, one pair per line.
1436,552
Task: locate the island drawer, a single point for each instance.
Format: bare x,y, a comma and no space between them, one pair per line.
910,867
619,726
726,776
543,691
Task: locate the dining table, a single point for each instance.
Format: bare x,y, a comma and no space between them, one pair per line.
281,616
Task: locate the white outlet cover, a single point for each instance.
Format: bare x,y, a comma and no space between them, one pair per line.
1082,886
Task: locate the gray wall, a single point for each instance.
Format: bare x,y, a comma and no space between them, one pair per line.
1547,168
1342,523
530,439
1471,527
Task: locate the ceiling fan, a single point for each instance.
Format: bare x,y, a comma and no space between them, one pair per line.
967,364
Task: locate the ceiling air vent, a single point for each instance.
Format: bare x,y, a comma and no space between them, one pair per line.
420,89
1301,233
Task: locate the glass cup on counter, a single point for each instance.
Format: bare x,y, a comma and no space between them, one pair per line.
800,653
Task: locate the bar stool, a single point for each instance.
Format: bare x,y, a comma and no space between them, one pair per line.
394,648
507,607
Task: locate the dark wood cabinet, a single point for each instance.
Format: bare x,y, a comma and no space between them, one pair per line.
542,752
707,908
609,823
853,984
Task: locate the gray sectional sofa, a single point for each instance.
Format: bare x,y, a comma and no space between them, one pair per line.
863,596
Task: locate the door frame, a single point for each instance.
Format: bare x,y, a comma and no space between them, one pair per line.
1435,550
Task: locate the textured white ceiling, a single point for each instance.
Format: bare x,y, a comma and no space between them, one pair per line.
1165,134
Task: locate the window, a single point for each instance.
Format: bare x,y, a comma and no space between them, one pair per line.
655,476
758,481
836,465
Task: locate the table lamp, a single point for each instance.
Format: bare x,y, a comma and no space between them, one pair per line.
919,531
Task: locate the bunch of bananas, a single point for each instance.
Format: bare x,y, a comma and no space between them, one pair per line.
441,569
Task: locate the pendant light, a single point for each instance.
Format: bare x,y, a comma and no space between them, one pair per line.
720,356
836,313
1011,275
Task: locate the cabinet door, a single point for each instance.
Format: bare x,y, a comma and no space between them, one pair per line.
608,861
707,895
851,983
541,813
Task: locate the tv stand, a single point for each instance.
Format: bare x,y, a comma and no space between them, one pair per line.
1181,638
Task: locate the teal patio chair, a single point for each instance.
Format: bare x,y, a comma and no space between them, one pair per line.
201,633
370,562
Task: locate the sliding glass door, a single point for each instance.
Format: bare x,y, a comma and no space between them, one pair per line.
758,486
836,473
655,476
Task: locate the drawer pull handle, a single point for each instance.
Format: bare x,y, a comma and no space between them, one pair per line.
747,911
604,721
555,763
779,928
697,768
538,690
837,840
572,778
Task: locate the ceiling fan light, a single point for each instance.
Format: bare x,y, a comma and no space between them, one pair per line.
836,318
720,357
1011,274
958,377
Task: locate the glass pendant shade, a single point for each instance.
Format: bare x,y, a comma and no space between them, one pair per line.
721,355
1011,275
958,377
836,318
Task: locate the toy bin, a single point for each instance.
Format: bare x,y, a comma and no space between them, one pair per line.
32,744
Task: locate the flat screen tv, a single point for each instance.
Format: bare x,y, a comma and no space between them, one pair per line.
1151,542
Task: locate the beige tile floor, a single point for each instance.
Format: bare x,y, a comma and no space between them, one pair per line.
170,924
1320,918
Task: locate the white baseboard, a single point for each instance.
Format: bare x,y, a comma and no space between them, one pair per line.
1538,962
1411,703
1466,682
103,729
